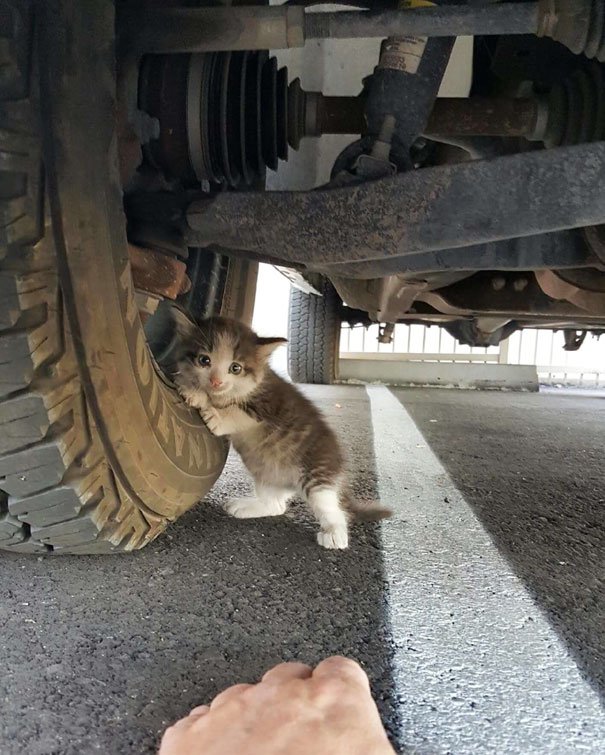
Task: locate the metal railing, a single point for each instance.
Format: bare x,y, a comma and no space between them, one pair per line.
544,348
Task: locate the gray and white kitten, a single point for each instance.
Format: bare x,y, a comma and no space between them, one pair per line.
281,436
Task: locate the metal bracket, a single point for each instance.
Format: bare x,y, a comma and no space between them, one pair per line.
297,280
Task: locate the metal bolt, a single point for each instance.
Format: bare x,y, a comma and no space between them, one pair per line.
520,284
385,332
498,283
382,146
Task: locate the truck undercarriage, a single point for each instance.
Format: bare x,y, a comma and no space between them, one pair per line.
135,141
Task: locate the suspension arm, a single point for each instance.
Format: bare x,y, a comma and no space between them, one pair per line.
445,207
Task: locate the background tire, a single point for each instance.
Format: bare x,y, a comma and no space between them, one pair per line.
314,333
97,452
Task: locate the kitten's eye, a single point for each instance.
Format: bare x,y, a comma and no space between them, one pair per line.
204,360
235,368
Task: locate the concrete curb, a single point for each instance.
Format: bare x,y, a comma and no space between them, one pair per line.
475,376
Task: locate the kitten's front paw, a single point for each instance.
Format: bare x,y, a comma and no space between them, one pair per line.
211,419
202,400
336,538
194,399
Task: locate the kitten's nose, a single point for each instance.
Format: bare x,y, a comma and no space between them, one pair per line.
215,382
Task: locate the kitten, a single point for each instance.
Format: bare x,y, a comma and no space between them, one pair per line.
281,436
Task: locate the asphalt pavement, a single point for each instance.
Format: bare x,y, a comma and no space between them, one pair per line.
478,610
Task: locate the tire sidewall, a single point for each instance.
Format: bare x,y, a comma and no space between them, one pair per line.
160,451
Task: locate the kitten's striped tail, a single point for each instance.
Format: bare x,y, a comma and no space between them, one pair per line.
363,511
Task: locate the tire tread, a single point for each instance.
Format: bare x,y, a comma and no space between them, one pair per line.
58,493
314,334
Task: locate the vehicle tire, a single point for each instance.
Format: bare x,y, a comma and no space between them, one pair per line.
314,333
97,452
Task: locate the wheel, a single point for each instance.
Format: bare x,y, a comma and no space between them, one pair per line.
314,333
97,452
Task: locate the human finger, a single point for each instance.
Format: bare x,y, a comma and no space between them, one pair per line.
284,672
229,694
199,710
341,668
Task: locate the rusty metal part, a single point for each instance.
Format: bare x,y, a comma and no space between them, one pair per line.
475,295
340,115
573,112
557,288
412,212
476,147
438,21
578,24
573,339
397,298
481,331
157,273
385,333
314,114
561,249
467,298
483,116
176,30
384,299
539,311
388,299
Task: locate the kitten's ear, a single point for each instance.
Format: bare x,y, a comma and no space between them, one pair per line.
185,327
266,346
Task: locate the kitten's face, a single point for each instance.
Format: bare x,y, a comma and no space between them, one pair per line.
223,358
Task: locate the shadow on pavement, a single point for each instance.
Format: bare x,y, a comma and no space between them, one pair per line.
531,468
101,653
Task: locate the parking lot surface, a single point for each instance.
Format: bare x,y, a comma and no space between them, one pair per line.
478,610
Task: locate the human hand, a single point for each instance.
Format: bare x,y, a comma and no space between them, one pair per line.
294,710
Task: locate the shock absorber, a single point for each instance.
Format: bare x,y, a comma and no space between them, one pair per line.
404,85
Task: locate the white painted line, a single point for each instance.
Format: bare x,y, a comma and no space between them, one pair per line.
478,668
